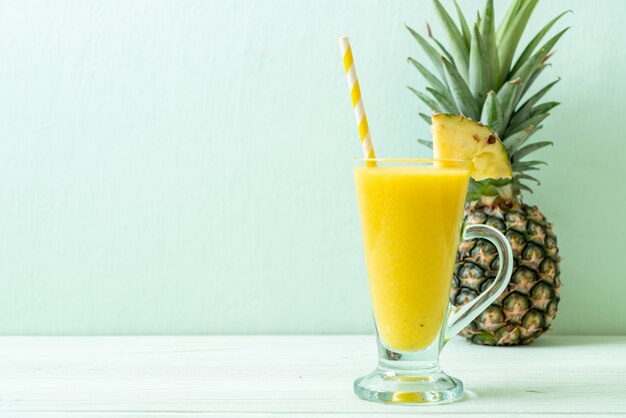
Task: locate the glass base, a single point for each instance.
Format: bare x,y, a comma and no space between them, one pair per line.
408,387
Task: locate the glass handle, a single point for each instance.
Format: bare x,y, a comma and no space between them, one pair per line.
462,316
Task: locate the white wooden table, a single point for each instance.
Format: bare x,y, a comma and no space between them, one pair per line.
295,376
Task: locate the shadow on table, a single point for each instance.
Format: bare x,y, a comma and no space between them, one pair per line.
536,396
510,393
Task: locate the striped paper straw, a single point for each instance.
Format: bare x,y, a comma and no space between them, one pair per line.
357,100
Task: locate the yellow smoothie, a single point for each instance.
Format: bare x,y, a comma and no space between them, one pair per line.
411,219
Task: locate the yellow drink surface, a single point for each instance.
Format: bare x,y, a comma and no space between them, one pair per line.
411,219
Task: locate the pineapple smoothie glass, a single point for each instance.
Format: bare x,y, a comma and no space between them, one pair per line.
411,212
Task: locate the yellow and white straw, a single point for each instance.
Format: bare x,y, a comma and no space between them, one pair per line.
357,100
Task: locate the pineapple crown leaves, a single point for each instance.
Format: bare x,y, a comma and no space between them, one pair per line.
478,76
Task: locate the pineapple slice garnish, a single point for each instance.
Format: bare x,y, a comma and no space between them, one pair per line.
456,137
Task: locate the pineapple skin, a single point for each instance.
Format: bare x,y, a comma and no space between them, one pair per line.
526,309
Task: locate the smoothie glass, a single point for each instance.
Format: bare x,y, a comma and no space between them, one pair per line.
411,212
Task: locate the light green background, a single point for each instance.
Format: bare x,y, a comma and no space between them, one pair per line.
184,166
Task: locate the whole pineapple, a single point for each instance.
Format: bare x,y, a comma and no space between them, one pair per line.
478,78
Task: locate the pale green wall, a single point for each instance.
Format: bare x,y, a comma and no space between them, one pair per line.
184,166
